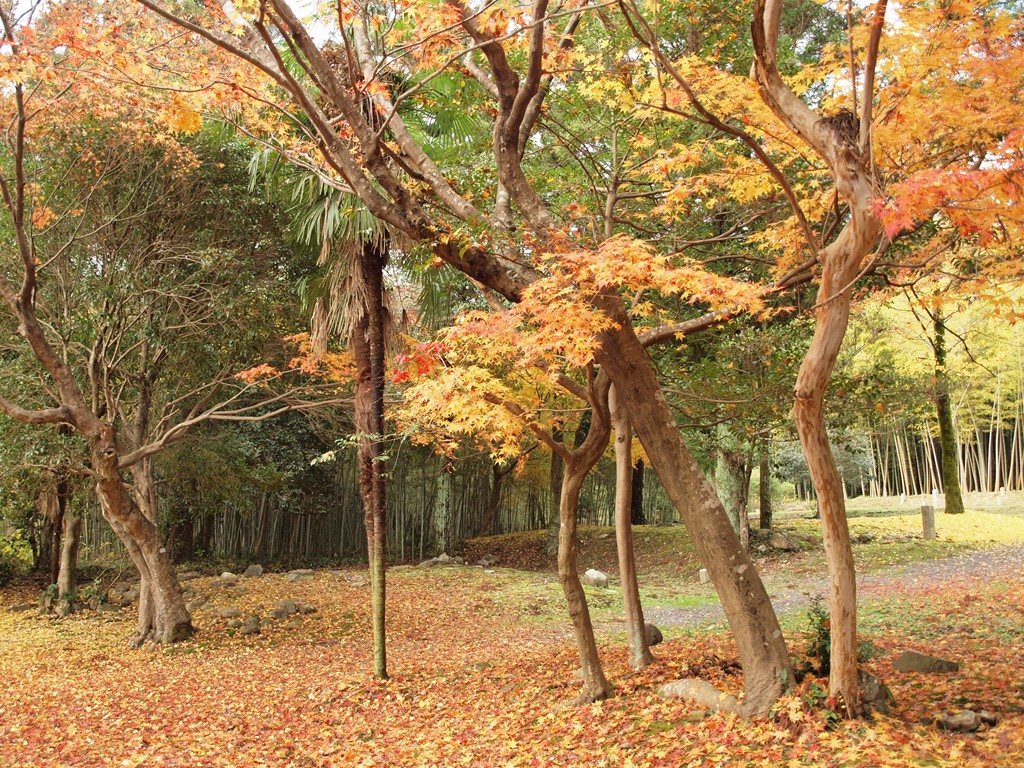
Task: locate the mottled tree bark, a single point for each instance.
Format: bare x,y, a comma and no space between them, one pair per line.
636,630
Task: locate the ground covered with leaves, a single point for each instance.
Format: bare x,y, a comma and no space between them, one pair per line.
483,669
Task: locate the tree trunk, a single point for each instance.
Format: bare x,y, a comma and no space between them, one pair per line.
66,581
947,435
554,499
764,487
808,411
493,507
368,351
591,442
444,507
738,467
163,617
636,630
762,649
636,501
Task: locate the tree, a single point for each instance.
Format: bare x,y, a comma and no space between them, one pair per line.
492,249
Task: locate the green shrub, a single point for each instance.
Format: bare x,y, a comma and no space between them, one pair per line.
10,563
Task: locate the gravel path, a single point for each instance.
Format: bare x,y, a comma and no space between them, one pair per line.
979,566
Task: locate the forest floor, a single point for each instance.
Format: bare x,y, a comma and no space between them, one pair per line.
483,665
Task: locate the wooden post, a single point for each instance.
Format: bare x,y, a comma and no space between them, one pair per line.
928,521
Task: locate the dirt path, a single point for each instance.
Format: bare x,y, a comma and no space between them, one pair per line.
973,567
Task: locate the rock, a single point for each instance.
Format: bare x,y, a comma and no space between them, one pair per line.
293,577
912,661
235,624
130,596
594,578
293,624
478,666
301,572
428,563
864,538
988,718
19,607
196,604
107,608
253,571
251,626
443,559
487,561
782,542
229,613
228,578
704,576
284,609
189,576
875,695
356,580
654,635
965,721
459,560
307,608
605,535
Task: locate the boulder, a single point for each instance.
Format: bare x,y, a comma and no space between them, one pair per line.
130,596
189,576
235,624
293,577
444,559
875,695
229,613
965,721
307,608
253,571
654,635
301,572
19,607
487,561
912,661
782,542
251,626
284,609
594,578
195,605
228,578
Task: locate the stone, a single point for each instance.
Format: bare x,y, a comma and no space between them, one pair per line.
428,563
228,578
704,576
443,559
284,609
875,695
107,608
605,535
196,604
988,718
595,578
130,596
293,577
301,572
19,607
965,721
235,624
782,542
487,561
189,576
293,624
654,635
251,626
307,608
912,661
253,571
459,560
229,613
